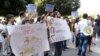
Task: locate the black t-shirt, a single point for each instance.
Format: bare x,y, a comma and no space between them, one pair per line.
97,22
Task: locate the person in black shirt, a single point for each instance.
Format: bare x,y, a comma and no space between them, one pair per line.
97,25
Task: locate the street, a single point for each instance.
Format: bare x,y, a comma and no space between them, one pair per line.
73,51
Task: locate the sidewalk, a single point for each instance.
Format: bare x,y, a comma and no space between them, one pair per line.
73,51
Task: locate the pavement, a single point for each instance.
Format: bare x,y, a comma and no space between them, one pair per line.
73,51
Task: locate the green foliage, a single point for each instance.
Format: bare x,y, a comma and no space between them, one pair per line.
64,6
75,5
12,6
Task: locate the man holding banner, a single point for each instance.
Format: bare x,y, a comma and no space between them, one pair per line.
59,32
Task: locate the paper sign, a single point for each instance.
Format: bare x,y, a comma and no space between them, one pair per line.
49,7
59,30
74,14
27,40
31,8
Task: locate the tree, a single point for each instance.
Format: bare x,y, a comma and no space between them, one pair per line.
75,5
64,6
12,6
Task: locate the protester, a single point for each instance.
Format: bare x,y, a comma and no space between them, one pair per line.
76,29
48,18
65,42
97,25
22,15
7,48
58,45
91,21
29,19
71,25
83,38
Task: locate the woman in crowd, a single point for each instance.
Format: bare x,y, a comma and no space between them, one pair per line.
71,25
76,29
91,21
6,46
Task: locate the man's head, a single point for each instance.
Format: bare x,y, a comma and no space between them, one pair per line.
98,16
85,16
22,14
57,14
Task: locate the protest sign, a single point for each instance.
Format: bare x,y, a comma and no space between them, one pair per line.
31,8
27,40
59,30
74,14
49,7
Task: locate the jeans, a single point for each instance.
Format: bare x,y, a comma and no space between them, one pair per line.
83,42
98,30
0,47
77,42
58,48
52,49
64,44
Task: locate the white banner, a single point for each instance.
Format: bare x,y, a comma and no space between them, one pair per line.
59,30
27,40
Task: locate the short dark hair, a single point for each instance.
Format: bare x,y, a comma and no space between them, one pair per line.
85,16
22,13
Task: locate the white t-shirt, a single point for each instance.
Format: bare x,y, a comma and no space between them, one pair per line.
1,37
19,22
82,24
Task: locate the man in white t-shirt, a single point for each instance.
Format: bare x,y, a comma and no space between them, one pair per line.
83,37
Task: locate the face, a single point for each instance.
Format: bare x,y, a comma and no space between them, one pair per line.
58,14
12,20
51,14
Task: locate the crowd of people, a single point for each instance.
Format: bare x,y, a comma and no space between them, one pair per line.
77,25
